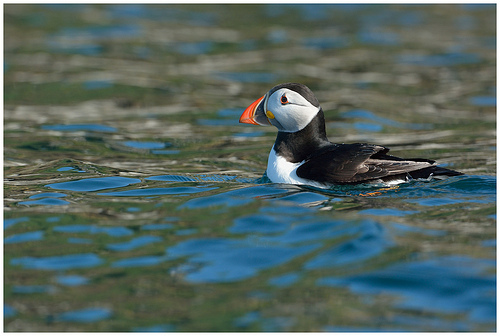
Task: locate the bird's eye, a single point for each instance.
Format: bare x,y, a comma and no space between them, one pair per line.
284,100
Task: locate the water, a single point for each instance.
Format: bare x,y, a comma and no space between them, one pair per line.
134,201
359,246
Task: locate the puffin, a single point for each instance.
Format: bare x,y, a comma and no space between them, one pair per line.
303,155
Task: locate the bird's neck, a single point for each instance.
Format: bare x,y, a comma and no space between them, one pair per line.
298,146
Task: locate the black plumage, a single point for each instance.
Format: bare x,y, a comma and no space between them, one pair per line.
328,163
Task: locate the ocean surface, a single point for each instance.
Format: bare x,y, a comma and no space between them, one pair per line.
134,201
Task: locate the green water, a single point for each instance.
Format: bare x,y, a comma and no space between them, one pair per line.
133,199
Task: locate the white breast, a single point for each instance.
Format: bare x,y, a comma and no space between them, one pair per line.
279,170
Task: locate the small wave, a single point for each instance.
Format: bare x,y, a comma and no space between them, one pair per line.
204,178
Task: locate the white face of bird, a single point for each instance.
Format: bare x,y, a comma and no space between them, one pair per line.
289,111
284,108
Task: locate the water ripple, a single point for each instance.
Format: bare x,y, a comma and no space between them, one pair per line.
114,231
134,243
24,237
210,258
88,315
440,284
179,191
94,184
63,262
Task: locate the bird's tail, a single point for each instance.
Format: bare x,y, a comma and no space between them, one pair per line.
434,171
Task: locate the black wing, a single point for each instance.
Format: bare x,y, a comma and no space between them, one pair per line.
357,163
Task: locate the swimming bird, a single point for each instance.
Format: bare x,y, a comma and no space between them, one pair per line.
302,153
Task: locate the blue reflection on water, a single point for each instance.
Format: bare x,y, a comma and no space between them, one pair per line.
371,240
163,14
367,127
437,201
369,36
364,114
63,262
483,101
65,169
179,191
94,184
146,144
246,257
474,186
73,240
24,237
228,117
8,311
451,284
327,42
479,6
409,18
88,49
406,18
284,280
113,231
201,178
79,127
48,195
88,315
134,243
127,11
12,221
46,201
446,59
71,280
304,198
311,12
71,169
32,289
310,229
465,22
229,112
277,36
386,212
171,178
139,261
231,198
248,134
261,223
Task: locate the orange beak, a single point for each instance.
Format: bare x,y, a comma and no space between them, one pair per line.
248,116
254,114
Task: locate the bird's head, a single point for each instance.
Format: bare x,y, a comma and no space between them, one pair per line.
290,107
